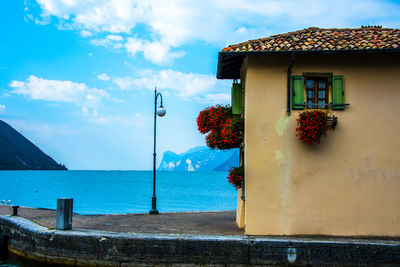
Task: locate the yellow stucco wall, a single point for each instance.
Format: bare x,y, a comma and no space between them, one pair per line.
347,185
240,210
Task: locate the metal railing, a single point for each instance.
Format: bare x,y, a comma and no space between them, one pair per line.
322,104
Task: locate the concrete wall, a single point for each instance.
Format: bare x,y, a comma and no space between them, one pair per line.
96,248
349,184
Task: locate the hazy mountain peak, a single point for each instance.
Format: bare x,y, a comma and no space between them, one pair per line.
200,158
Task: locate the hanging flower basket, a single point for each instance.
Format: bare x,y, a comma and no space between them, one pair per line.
314,124
223,130
214,140
213,118
232,132
332,122
236,176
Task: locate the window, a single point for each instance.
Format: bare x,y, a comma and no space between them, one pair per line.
318,91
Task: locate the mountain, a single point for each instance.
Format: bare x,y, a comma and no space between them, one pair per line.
18,153
200,158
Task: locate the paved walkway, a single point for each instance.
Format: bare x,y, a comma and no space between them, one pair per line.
192,223
202,238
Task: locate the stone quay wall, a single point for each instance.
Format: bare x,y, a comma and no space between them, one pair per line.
97,248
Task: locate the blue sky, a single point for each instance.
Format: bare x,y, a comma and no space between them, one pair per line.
77,76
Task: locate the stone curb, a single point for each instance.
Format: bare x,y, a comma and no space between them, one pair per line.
100,248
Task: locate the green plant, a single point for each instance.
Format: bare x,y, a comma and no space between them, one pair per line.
312,124
223,129
236,176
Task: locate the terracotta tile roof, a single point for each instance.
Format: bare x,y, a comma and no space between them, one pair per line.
314,39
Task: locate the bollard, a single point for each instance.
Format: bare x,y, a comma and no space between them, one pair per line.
15,210
64,214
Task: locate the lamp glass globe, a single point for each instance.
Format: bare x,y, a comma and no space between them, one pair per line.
161,111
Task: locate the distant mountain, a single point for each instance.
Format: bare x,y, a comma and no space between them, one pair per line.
18,153
200,158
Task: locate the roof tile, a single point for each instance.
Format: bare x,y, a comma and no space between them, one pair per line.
324,39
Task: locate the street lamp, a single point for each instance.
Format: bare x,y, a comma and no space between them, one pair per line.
160,111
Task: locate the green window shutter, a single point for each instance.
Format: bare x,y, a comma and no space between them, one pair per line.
237,99
298,92
338,91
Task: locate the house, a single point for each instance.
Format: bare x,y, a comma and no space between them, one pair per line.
349,184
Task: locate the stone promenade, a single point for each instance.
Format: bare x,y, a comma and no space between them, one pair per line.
177,239
188,223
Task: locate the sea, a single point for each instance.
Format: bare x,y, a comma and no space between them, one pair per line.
116,192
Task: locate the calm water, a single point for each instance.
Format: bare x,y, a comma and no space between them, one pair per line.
105,192
102,192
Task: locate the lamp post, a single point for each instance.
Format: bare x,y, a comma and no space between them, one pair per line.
160,111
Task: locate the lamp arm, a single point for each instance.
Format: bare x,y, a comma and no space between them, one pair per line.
159,94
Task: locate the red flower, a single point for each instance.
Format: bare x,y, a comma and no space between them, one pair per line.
223,130
312,125
235,177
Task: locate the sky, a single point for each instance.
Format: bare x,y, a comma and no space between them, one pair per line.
77,77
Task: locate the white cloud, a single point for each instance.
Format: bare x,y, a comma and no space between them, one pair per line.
241,30
101,15
159,53
200,87
110,41
218,98
134,45
89,99
125,83
114,37
118,46
103,77
85,33
107,42
171,24
156,52
85,110
2,108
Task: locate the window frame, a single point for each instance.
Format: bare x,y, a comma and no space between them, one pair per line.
316,76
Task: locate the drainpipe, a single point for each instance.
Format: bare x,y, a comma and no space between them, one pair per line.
289,74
